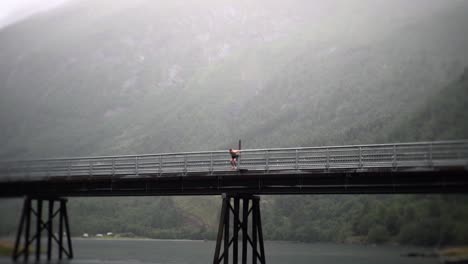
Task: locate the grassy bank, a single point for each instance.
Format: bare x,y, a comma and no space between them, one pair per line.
6,248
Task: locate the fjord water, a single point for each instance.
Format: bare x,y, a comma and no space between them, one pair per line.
199,252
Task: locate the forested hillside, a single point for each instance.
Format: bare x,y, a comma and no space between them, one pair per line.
109,78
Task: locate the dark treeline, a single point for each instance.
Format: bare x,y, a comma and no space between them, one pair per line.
402,219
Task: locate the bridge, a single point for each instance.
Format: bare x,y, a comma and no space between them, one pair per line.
420,167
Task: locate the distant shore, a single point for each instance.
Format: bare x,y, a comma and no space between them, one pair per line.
137,238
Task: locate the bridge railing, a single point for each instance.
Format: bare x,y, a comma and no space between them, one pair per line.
421,155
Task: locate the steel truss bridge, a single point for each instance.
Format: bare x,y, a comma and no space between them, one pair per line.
421,167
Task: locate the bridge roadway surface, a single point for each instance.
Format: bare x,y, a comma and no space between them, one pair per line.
422,167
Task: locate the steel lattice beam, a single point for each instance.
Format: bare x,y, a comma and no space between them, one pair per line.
236,220
22,244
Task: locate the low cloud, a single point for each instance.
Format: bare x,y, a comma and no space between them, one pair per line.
12,11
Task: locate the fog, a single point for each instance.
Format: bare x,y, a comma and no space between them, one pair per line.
130,77
12,11
198,75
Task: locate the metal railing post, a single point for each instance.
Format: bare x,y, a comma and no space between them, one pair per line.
360,157
328,159
90,168
8,171
211,169
160,165
136,165
297,159
69,168
47,170
459,154
113,167
430,155
28,174
185,164
267,167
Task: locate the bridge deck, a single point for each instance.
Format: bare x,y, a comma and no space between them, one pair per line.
387,168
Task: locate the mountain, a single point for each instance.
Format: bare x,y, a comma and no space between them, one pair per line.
120,77
116,78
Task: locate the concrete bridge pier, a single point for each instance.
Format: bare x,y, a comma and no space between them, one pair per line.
240,213
23,243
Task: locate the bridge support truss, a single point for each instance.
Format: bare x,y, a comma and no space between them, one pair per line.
239,214
58,216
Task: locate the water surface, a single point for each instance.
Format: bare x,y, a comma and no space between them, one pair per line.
88,251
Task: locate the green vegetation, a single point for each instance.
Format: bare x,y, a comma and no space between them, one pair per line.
402,219
187,77
454,255
6,248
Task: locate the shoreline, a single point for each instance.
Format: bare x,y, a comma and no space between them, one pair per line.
137,238
11,239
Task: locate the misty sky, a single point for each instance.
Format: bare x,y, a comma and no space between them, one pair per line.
15,10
